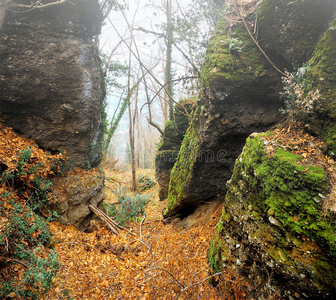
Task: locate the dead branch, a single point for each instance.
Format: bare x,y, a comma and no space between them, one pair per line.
163,269
143,219
105,218
199,282
9,5
110,222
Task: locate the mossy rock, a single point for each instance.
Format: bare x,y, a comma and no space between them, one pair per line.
323,74
289,30
224,68
182,169
273,223
170,144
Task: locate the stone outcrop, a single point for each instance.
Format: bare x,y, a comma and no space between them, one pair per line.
51,91
323,75
277,229
170,145
51,87
75,193
241,95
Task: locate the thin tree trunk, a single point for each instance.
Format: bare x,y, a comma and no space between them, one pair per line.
130,131
168,74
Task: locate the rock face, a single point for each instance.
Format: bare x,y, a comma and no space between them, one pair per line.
75,193
170,145
241,96
323,75
51,87
276,229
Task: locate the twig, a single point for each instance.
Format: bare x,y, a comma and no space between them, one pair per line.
143,219
18,262
110,222
160,268
257,44
199,282
75,243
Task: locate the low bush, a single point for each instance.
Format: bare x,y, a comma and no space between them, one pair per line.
145,183
128,207
27,265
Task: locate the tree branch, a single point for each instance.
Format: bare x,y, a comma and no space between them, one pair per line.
9,5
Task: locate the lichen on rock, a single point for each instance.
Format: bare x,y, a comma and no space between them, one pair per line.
75,192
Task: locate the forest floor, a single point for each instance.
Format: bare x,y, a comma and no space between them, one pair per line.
162,261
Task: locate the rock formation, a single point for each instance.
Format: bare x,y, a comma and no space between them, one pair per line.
241,93
170,145
277,228
51,87
51,91
75,193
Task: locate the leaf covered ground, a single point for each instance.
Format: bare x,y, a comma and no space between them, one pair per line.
161,262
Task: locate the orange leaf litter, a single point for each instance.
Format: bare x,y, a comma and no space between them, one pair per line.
169,264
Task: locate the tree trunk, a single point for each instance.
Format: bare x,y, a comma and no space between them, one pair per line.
168,74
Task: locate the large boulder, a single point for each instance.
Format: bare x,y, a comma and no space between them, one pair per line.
277,229
51,87
323,76
241,94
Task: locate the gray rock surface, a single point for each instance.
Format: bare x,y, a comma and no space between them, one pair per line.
75,193
51,87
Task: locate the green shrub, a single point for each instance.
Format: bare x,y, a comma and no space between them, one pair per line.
145,183
25,189
22,242
128,207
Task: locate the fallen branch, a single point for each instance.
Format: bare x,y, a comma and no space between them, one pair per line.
109,222
113,225
163,269
199,282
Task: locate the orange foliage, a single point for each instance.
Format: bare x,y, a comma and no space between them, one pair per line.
11,146
166,263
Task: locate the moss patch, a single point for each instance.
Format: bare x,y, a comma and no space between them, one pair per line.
182,169
274,200
323,74
291,189
223,67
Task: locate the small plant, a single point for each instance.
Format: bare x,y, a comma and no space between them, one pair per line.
22,242
299,96
27,265
129,207
235,45
146,183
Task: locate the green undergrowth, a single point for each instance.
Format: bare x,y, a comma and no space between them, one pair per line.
25,193
129,206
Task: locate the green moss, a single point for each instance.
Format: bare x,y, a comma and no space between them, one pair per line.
290,189
223,67
214,255
184,164
322,73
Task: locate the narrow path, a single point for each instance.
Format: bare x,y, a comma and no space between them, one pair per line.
168,263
